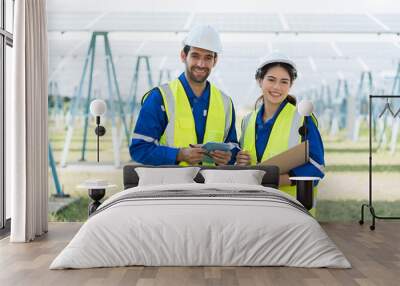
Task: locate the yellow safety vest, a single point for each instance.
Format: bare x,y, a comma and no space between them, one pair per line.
181,130
284,135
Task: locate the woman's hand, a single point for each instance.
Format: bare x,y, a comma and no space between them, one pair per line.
243,158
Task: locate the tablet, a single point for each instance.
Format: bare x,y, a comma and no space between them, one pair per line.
213,146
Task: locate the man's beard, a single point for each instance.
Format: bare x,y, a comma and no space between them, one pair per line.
198,79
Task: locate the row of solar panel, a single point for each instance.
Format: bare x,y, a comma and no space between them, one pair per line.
225,22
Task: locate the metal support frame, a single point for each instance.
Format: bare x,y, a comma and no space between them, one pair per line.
89,99
326,95
113,87
396,82
396,123
135,84
111,103
370,201
315,97
116,86
365,87
164,73
55,95
326,100
59,191
382,135
56,111
340,106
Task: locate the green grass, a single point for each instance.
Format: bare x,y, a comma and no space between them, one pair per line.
350,210
327,211
362,168
350,150
77,211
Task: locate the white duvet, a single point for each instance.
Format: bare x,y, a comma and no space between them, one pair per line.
185,231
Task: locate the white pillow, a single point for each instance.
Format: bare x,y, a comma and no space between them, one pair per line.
249,177
166,176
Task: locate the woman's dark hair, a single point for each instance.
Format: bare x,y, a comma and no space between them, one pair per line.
260,73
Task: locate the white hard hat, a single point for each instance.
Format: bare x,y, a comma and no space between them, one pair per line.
277,57
204,37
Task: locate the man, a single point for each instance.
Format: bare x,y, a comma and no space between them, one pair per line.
178,116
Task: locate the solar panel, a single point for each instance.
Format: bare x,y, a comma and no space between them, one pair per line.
332,23
237,64
379,65
296,49
245,49
392,21
162,48
117,21
234,72
335,65
142,21
228,22
64,47
369,49
62,21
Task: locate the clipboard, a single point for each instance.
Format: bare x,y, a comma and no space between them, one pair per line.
291,158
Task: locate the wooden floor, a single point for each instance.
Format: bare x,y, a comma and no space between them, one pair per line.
374,255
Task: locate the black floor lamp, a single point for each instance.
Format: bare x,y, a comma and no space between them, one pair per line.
304,185
97,188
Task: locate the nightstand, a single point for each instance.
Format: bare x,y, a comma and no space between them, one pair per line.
96,191
304,190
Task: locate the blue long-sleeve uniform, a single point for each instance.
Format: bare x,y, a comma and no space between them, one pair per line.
152,121
316,148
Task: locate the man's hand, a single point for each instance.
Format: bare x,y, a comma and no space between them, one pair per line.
191,155
243,158
221,157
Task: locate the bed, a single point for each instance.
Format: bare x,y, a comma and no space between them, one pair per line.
201,224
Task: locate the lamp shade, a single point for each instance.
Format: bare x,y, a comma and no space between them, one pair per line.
98,107
305,107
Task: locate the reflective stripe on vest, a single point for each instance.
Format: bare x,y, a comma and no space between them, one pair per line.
181,130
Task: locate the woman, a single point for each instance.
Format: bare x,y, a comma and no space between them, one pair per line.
274,126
